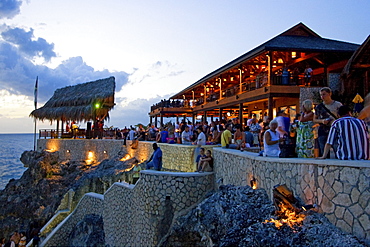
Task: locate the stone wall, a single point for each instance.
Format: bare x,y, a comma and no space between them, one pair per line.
140,214
175,157
79,149
341,189
146,214
91,203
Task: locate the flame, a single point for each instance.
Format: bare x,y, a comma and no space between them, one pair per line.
254,186
289,217
126,157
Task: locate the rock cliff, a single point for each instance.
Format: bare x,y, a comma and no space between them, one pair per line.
29,202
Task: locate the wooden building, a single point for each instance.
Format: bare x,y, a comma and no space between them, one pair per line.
356,74
268,78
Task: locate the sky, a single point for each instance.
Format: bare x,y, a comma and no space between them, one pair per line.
154,49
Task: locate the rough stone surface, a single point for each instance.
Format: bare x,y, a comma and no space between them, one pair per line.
335,186
236,216
50,185
88,232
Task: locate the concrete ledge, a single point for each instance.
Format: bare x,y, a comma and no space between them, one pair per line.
176,174
320,162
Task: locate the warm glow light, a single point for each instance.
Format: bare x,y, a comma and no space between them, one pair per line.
254,183
294,54
97,105
90,155
291,218
68,151
126,157
280,60
104,151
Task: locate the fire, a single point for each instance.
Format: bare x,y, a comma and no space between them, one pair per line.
287,216
126,157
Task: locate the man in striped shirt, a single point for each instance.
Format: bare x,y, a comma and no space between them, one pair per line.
351,135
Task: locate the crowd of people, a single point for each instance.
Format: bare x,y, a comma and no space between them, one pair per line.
314,132
19,239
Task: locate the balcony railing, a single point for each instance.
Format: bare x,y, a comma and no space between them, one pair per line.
252,84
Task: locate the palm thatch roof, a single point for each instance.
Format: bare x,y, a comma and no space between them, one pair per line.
82,102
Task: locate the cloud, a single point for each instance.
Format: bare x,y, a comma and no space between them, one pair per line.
18,74
28,44
9,8
135,92
152,80
131,112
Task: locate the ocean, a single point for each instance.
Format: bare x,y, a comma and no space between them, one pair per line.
11,148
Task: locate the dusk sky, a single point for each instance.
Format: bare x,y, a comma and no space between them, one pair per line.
154,49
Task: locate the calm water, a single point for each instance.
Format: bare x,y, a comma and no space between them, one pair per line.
11,148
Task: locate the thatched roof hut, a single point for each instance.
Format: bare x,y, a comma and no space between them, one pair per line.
82,102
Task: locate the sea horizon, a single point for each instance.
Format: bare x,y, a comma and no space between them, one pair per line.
12,145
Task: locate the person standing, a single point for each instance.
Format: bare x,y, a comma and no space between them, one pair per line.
255,129
226,138
185,136
308,75
201,139
131,134
325,113
305,136
351,136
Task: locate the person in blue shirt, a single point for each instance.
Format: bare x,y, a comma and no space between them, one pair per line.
155,160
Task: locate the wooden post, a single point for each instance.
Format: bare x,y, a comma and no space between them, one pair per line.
220,85
240,113
269,65
240,80
270,106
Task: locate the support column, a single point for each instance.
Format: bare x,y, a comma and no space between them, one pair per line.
205,94
240,113
269,66
205,116
220,85
220,114
367,81
57,132
240,80
193,119
161,119
270,106
156,121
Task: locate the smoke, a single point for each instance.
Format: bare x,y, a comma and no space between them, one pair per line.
9,8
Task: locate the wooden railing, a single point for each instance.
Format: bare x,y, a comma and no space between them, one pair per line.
78,133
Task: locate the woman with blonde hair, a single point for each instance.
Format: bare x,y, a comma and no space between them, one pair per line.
305,135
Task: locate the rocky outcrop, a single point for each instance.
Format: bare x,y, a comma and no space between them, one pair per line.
235,216
88,232
29,202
